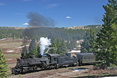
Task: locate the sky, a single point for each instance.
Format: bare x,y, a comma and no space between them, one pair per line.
66,13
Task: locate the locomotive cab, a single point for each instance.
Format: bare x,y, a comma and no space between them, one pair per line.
53,58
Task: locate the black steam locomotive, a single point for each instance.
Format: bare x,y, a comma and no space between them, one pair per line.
48,61
44,62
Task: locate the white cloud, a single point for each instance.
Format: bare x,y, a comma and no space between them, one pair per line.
50,6
68,17
25,24
27,0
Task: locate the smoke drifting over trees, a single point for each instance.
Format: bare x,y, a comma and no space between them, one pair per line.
37,19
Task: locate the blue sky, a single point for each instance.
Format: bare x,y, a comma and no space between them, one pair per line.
66,13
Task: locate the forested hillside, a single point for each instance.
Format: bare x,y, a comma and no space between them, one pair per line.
62,33
6,32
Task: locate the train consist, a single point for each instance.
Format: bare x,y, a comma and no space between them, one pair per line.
48,61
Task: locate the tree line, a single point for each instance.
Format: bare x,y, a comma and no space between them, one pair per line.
6,32
34,48
63,33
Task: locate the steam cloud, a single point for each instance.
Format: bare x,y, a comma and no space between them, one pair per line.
44,43
37,19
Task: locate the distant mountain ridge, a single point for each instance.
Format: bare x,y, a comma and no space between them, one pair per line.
13,28
85,27
73,27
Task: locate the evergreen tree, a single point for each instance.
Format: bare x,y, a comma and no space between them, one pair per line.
61,47
88,46
33,48
54,44
3,66
38,50
107,38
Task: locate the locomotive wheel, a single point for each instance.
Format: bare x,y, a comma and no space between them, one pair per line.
77,64
34,68
23,71
16,73
44,65
57,66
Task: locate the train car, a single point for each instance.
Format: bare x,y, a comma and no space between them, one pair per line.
86,58
65,60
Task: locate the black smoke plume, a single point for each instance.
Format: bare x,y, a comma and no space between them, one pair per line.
37,19
36,22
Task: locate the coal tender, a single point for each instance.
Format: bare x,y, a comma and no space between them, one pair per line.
43,62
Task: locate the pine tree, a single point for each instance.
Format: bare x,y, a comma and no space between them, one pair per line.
33,48
3,66
88,46
54,44
107,38
38,50
61,47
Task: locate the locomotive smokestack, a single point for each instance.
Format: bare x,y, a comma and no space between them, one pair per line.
44,43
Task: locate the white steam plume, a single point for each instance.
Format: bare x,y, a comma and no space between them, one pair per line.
44,43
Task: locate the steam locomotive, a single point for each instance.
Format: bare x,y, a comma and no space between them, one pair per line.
49,61
46,61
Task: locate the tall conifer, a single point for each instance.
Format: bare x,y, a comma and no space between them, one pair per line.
3,66
107,38
88,46
33,48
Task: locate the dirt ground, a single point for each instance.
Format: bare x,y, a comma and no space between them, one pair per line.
11,49
53,73
89,72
